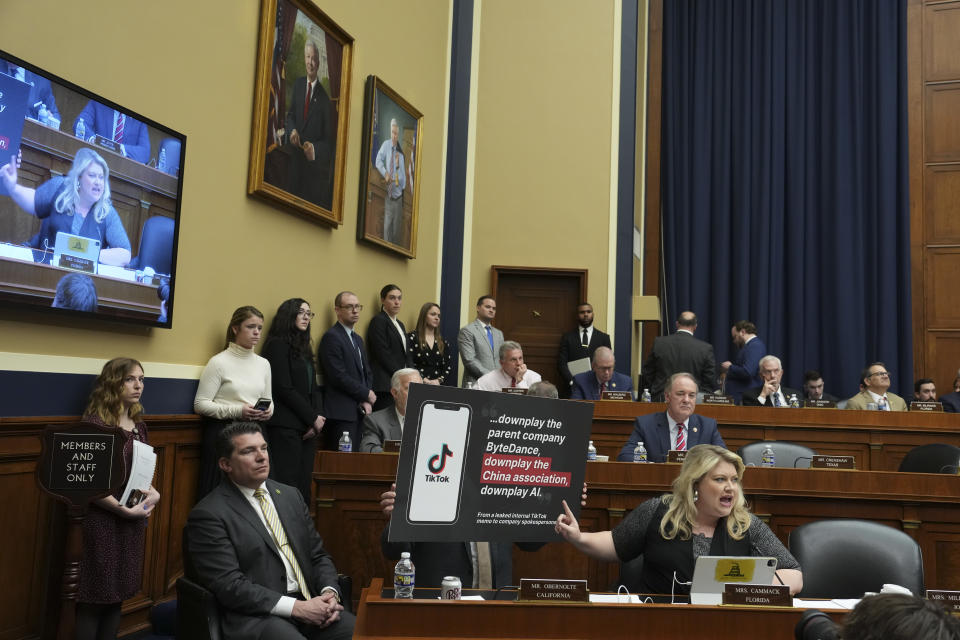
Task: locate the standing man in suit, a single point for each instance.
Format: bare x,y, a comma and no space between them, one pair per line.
680,352
770,394
580,343
676,428
876,379
590,384
348,392
312,135
100,120
813,387
480,342
742,373
387,344
387,424
251,542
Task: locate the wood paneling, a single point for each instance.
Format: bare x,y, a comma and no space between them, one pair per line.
943,302
941,205
943,351
941,50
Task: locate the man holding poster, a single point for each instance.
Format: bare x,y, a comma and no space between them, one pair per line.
488,468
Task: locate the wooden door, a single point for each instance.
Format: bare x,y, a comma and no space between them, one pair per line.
535,307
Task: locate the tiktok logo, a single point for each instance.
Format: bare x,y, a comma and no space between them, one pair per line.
439,461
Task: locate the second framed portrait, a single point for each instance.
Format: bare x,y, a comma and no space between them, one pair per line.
301,105
389,170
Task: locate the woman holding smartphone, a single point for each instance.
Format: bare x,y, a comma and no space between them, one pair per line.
298,416
111,569
235,385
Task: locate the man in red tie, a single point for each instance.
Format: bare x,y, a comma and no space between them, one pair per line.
312,134
677,428
512,372
590,385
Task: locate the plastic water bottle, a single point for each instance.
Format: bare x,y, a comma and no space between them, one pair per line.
42,114
640,453
81,129
404,577
345,445
591,451
767,459
646,396
793,401
162,160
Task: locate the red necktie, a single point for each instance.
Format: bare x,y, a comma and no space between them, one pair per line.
118,129
603,387
513,382
306,105
681,439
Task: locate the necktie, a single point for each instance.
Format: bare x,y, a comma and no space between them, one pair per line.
280,537
584,342
118,129
681,438
484,566
356,345
603,387
775,399
490,339
306,104
883,404
513,382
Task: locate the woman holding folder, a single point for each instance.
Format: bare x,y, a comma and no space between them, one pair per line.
111,569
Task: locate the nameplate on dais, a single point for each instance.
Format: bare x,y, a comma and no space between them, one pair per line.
716,398
949,599
554,590
757,595
833,462
616,395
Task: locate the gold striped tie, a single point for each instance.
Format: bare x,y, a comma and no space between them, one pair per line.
280,537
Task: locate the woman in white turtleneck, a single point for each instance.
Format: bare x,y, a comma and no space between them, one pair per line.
230,386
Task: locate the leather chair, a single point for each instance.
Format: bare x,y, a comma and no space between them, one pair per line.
786,454
932,458
629,575
156,246
846,558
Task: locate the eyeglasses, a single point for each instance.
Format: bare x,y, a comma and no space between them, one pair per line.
306,314
351,307
883,374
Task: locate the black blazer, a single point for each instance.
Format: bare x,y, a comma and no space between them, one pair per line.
296,399
678,352
232,554
387,353
346,382
571,349
751,397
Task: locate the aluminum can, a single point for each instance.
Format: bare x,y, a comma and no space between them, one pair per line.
450,588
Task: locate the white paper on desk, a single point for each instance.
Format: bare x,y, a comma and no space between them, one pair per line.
113,271
141,471
825,604
615,598
15,252
471,597
578,366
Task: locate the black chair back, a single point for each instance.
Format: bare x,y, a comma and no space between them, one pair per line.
932,458
786,454
846,558
156,245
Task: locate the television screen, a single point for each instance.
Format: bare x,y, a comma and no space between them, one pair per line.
90,196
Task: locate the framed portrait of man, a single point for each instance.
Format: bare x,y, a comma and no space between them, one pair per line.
389,171
301,109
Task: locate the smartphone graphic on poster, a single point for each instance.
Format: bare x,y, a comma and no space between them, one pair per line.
437,476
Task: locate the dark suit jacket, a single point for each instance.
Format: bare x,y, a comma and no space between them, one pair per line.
434,560
751,396
98,118
40,91
347,383
387,353
654,431
232,554
571,349
951,402
379,427
585,386
744,374
312,181
680,352
296,399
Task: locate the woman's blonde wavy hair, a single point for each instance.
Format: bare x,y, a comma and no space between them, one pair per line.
681,512
105,399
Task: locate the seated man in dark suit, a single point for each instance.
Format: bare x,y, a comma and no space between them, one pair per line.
813,387
251,542
676,428
925,390
590,384
387,424
771,394
951,401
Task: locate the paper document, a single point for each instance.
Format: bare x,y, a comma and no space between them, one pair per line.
578,366
141,474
